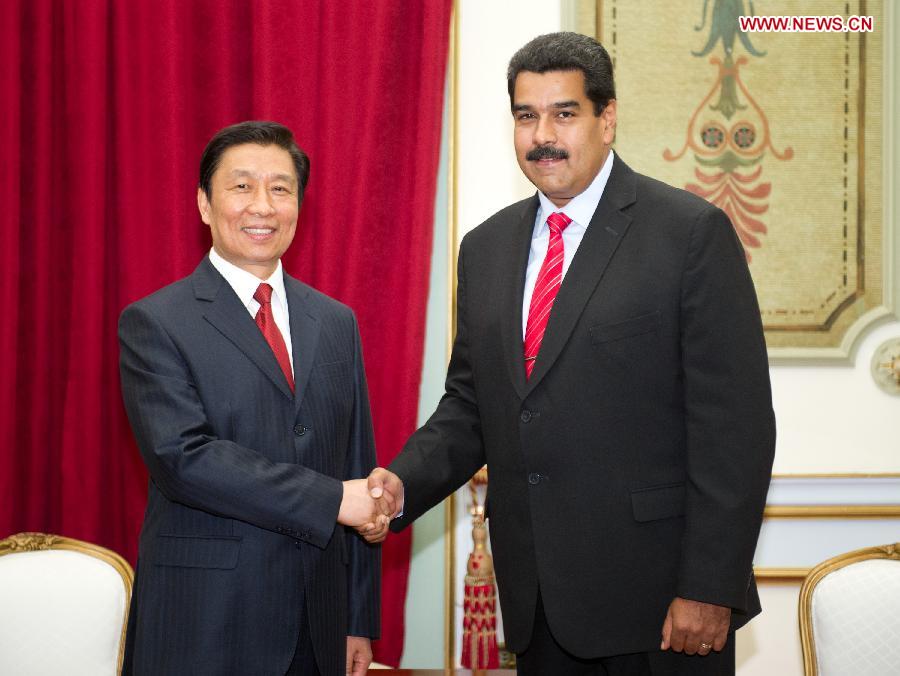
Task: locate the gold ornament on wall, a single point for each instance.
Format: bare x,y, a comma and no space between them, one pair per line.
886,366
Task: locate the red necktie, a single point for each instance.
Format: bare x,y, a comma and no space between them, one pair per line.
265,320
546,287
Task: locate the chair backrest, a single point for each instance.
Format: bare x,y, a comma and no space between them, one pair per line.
63,606
850,614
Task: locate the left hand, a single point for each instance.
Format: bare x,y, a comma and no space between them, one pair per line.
376,530
359,655
690,623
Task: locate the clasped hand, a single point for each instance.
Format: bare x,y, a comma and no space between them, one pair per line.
369,504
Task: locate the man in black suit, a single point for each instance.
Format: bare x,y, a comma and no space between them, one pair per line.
609,368
247,396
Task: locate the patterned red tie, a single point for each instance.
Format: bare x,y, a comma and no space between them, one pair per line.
546,287
265,320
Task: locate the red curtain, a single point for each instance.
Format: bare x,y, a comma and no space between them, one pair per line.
106,107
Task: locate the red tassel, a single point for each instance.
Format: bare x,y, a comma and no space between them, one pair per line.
479,649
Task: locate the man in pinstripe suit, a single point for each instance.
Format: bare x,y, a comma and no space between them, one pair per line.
247,396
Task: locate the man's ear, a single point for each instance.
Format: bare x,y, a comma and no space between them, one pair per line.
609,115
203,206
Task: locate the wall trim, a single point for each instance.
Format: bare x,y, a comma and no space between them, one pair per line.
452,231
832,512
776,575
837,475
834,496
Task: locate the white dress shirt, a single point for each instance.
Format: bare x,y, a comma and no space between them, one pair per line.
580,209
245,284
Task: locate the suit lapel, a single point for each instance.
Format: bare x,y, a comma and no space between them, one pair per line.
513,290
601,239
229,316
304,335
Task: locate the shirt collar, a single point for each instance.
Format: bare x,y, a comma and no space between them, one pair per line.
245,283
582,207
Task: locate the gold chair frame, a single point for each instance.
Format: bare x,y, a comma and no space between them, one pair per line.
816,575
33,542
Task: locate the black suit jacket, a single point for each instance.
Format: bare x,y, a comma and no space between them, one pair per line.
632,467
245,482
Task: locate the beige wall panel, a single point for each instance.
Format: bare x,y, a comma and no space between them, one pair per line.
770,645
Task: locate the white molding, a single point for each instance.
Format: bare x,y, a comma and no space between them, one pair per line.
834,491
804,543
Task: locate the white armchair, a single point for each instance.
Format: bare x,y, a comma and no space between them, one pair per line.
850,614
63,606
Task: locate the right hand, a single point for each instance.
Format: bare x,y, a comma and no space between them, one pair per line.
358,508
387,489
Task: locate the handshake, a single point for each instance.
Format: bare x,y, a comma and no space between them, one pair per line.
369,504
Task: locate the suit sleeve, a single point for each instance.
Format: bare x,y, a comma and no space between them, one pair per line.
191,465
730,424
445,452
364,570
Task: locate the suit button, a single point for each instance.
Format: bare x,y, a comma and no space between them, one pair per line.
300,430
526,416
297,544
534,478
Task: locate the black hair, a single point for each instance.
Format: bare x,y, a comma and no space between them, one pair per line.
260,133
567,51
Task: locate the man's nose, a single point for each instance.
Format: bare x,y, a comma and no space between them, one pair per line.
544,131
262,202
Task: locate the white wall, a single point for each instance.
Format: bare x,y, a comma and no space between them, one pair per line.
490,33
770,644
834,419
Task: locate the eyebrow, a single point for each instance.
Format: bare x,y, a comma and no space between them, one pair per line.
559,105
240,173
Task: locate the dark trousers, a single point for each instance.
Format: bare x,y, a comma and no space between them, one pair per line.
304,662
545,656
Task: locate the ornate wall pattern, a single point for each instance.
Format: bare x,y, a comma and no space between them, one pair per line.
783,131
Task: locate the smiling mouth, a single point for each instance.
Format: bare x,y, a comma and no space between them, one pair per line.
258,232
547,167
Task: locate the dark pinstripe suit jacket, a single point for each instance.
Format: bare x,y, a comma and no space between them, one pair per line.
245,482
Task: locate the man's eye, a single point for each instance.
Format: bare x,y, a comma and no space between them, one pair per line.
566,113
525,116
242,186
279,188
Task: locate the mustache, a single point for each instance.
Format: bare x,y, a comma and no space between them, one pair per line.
546,153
